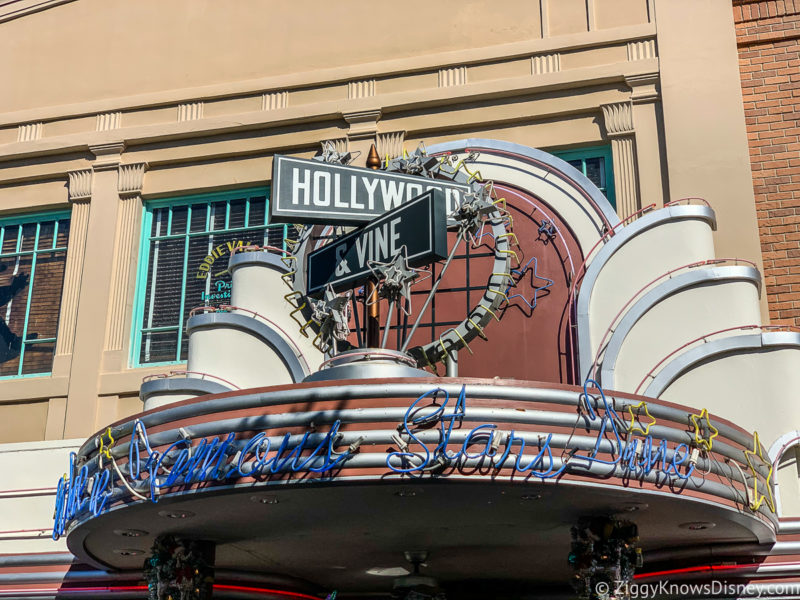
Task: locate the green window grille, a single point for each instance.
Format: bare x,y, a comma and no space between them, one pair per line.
596,164
186,244
33,255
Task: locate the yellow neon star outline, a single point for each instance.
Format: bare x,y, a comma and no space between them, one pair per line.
758,499
107,451
633,426
705,443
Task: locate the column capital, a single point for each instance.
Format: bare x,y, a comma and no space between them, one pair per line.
390,143
618,118
131,178
644,87
79,185
107,155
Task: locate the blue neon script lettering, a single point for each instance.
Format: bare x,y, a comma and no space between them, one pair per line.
487,443
182,463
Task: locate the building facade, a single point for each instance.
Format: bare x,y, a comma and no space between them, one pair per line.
642,158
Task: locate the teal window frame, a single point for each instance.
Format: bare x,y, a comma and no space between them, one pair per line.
19,221
138,331
584,154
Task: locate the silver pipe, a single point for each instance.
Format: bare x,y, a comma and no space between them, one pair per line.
433,290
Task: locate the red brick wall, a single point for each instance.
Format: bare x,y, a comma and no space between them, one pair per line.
768,37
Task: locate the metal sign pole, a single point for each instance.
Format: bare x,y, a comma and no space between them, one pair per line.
372,320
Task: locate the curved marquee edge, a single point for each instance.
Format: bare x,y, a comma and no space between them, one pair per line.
250,325
601,203
188,385
622,237
661,292
717,349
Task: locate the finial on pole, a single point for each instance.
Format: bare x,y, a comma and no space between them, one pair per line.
373,160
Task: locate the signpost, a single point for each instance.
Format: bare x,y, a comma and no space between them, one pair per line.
309,191
420,225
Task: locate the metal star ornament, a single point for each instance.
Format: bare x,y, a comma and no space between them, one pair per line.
396,276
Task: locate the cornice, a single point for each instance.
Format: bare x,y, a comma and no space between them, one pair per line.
328,76
333,109
644,87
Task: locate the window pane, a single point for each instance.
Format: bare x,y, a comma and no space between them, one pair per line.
30,296
180,216
237,214
595,171
258,211
191,270
159,346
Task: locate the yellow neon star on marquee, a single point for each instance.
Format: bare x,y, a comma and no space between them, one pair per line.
633,426
703,442
759,499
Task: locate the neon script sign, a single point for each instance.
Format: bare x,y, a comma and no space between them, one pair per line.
636,456
150,471
181,463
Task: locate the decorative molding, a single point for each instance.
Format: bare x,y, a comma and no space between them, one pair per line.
76,249
360,89
452,76
274,100
107,155
131,177
545,63
390,144
642,50
29,132
190,111
341,145
363,123
644,87
618,118
80,185
108,121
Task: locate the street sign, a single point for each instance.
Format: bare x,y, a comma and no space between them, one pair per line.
310,191
420,225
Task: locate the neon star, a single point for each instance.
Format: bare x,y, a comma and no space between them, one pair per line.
633,426
758,499
699,437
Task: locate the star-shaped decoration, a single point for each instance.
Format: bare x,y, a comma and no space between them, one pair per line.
633,426
395,276
520,273
703,429
758,499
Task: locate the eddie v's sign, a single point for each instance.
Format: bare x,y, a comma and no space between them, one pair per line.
310,191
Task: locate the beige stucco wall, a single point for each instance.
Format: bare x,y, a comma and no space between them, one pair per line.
205,93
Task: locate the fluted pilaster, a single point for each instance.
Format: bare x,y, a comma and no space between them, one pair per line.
129,186
619,127
80,193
